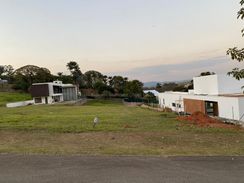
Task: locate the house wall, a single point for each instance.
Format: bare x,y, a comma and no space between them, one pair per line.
49,99
228,84
216,85
167,100
228,106
191,106
206,85
69,93
43,100
50,88
241,108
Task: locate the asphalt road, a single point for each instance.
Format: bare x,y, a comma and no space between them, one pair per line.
69,169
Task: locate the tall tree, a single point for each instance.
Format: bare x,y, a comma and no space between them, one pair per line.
1,70
26,75
60,74
158,86
93,77
238,53
76,73
118,83
134,89
6,70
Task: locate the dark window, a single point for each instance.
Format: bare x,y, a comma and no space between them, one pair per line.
38,100
57,89
173,104
39,90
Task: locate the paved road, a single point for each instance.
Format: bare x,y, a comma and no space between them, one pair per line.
33,168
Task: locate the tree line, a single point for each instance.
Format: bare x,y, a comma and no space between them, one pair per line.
93,81
184,86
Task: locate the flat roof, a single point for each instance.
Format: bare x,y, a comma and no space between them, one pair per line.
55,84
233,95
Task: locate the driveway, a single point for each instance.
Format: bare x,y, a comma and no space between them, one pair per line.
69,169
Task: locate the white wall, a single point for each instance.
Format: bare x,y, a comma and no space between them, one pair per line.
229,107
206,85
241,108
50,88
166,100
228,84
49,99
217,84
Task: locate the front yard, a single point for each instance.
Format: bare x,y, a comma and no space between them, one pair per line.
123,130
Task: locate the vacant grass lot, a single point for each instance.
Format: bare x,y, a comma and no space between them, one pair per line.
6,97
123,130
113,115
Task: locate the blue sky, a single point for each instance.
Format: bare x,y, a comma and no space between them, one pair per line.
148,40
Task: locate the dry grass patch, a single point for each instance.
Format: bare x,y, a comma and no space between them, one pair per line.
121,143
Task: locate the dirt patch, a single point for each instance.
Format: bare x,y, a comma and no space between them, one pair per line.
123,143
200,119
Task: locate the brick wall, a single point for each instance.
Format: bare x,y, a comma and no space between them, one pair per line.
192,106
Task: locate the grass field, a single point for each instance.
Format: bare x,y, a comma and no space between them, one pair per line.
6,97
75,119
123,130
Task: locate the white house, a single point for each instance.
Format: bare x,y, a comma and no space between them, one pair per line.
53,92
214,95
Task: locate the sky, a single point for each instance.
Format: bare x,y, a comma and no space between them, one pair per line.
156,40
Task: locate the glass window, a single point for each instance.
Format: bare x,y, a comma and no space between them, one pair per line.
38,100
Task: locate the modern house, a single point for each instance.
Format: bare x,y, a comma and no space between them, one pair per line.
49,93
215,95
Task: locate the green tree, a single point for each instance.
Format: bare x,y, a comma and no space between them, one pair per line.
158,86
1,70
76,73
60,74
6,71
118,84
134,89
238,53
26,75
207,73
150,98
100,87
93,77
66,79
168,86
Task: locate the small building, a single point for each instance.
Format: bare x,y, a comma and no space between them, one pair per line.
53,92
214,95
